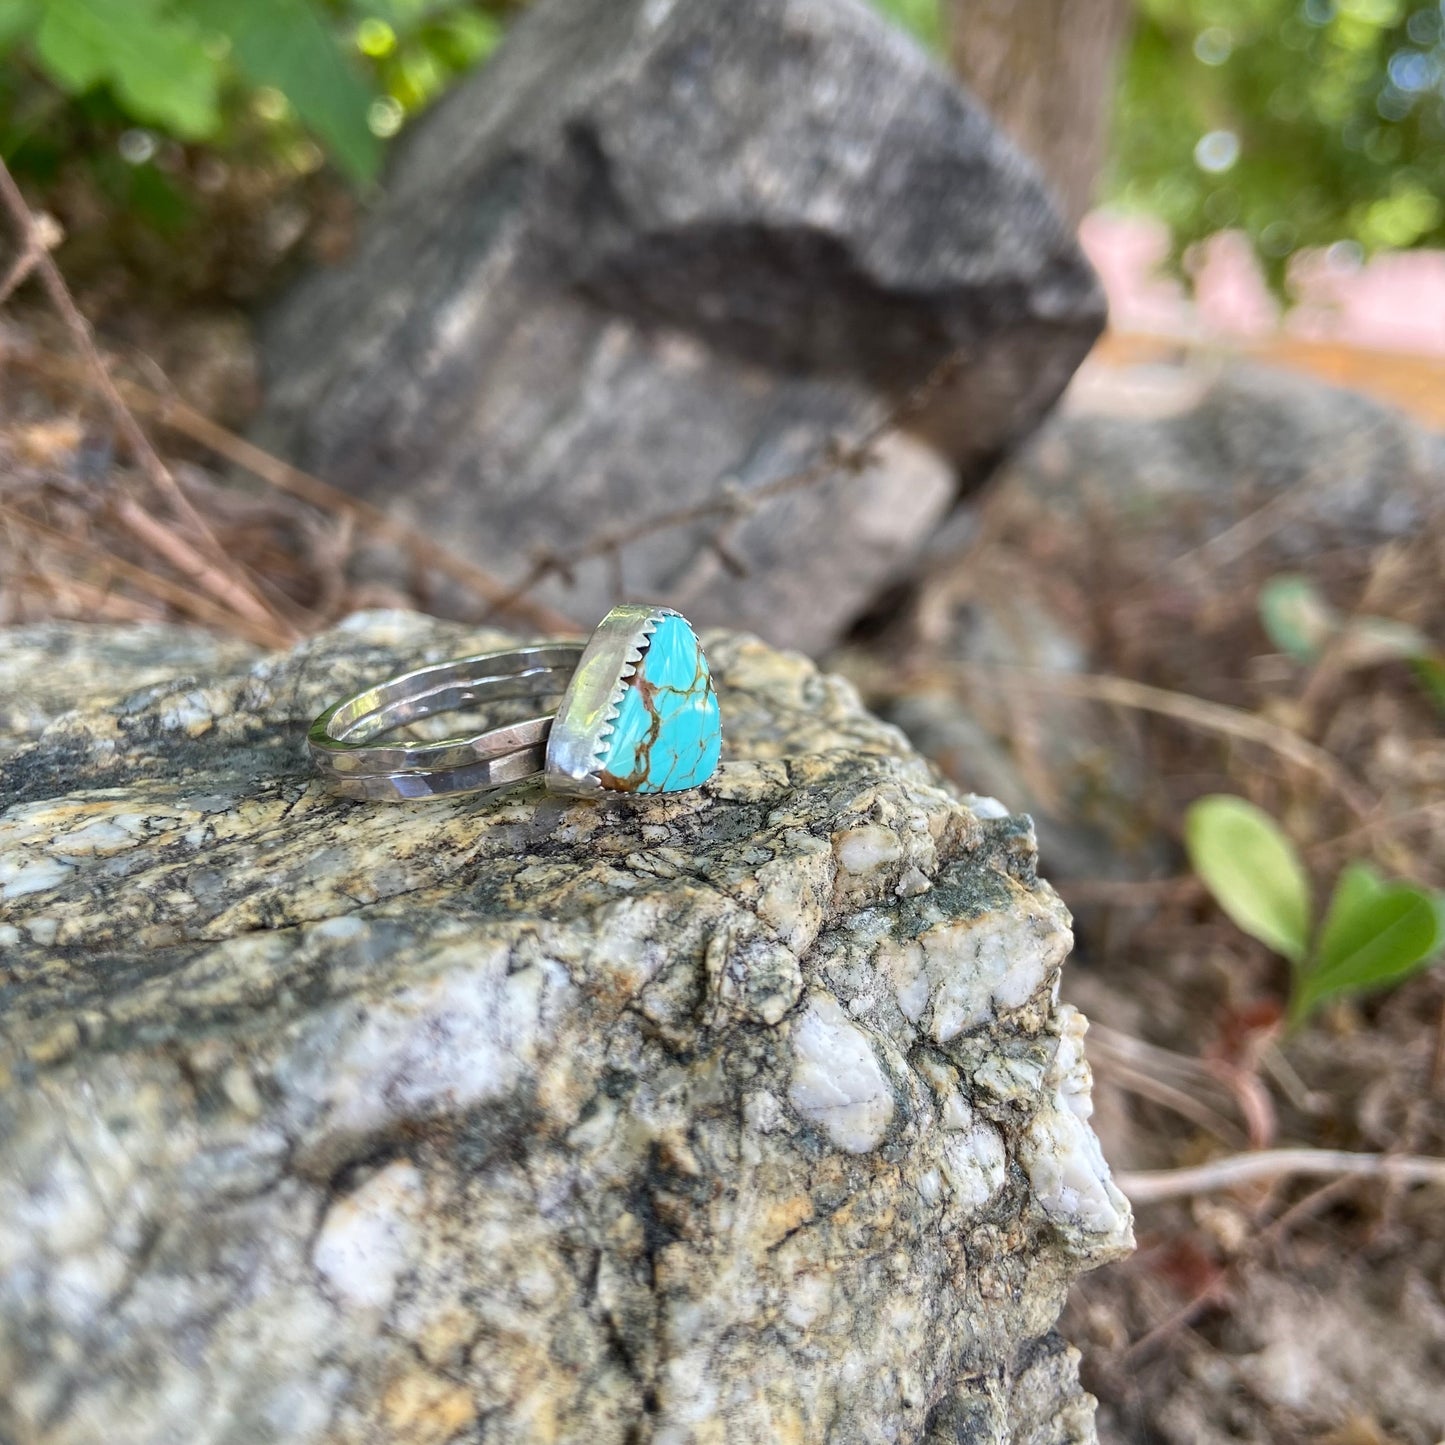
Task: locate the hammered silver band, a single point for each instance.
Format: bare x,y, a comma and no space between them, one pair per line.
341,746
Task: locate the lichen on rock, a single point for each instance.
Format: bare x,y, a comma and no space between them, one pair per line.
745,1114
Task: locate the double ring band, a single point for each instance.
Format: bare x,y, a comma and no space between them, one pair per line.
637,714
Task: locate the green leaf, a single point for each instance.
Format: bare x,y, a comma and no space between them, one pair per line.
157,66
1252,870
288,44
1298,620
1374,934
17,19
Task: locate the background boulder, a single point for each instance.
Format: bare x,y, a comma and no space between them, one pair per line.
655,255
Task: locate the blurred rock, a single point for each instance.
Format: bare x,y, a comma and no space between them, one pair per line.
1073,768
748,1114
1336,468
656,250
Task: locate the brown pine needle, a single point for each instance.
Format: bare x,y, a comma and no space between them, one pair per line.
1212,716
184,599
32,243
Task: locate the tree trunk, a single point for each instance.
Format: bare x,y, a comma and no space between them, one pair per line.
1044,69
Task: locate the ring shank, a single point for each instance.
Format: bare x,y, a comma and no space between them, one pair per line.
340,745
514,767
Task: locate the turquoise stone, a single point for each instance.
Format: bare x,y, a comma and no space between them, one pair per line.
668,732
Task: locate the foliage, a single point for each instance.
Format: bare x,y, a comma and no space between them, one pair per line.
1302,123
1299,122
1253,871
1374,932
274,77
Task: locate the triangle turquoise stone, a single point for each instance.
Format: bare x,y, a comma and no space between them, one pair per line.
668,733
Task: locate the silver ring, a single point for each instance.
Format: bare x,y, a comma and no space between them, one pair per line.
637,714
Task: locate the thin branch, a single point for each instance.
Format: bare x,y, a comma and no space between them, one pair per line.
1152,1186
90,601
1187,1070
732,502
22,266
1385,823
168,543
183,599
1177,1101
1132,892
32,240
1185,887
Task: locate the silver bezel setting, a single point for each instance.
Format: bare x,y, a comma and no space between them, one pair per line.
590,705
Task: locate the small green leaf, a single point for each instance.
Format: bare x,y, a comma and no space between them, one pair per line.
1298,620
1374,933
157,66
17,18
1252,870
288,44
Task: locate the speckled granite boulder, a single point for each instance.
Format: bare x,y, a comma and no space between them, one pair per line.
747,1115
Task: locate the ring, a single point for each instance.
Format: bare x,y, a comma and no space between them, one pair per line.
637,714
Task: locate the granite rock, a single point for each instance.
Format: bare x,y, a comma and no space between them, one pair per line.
748,1114
662,252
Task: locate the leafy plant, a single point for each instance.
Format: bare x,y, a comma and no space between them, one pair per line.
1298,122
923,17
206,71
1253,871
1374,932
156,63
289,46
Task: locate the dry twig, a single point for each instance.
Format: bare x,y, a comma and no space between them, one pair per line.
171,412
35,242
183,599
1151,1186
1212,716
732,503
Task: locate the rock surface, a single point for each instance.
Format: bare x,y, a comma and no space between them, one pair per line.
742,1115
46,668
664,251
